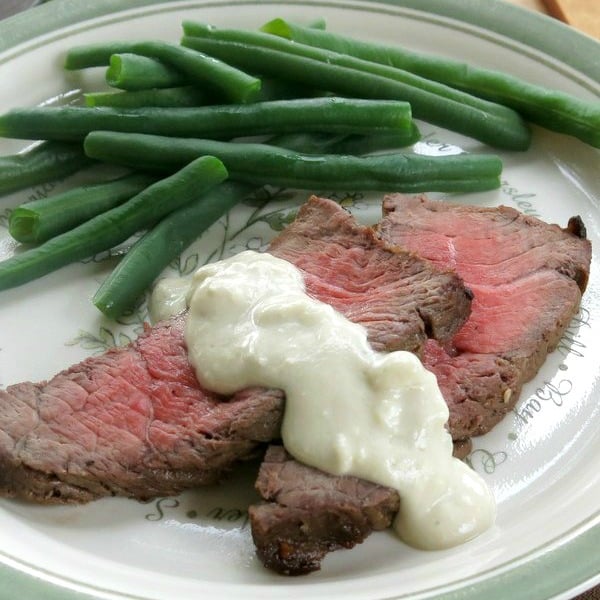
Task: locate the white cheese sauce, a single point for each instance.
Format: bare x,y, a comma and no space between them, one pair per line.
349,410
168,298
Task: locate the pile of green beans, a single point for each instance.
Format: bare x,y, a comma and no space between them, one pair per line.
338,111
491,123
116,225
551,109
198,68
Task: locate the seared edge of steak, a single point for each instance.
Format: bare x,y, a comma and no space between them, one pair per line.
132,422
527,277
309,513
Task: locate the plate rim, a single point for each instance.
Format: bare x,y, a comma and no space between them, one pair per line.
552,571
564,43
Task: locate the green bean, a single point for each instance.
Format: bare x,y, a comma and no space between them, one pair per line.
433,102
280,89
183,96
128,71
98,54
188,95
318,23
147,258
552,109
366,144
261,164
198,68
40,220
42,163
115,225
338,115
358,145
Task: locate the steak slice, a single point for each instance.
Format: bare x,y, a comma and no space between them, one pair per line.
309,513
135,422
132,422
527,278
400,298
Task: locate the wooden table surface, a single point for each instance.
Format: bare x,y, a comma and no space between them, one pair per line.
583,15
532,4
10,7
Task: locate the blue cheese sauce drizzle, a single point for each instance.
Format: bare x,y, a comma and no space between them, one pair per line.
349,410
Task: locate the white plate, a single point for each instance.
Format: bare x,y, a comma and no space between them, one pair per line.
541,461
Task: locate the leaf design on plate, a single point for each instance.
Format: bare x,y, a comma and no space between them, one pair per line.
267,194
99,342
186,265
105,339
278,221
350,200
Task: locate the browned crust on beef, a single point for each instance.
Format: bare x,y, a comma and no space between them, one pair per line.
306,513
133,422
309,513
292,537
482,386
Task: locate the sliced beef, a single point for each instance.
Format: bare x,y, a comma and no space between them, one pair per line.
309,513
400,298
132,422
527,278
